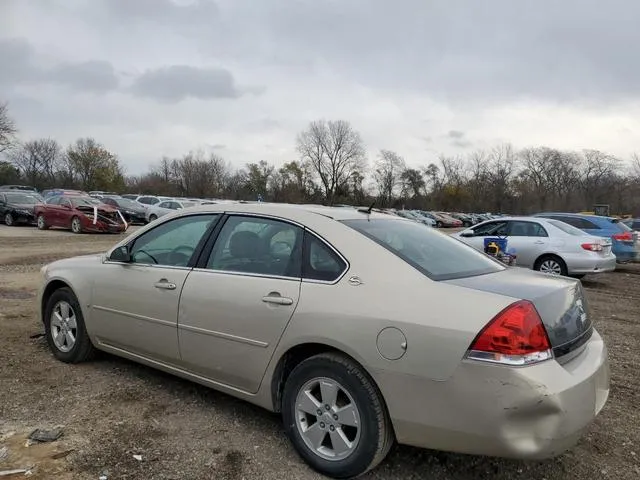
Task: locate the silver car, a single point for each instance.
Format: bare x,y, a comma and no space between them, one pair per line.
549,246
167,206
360,328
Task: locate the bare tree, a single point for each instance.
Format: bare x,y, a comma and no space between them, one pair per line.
335,152
8,129
387,175
93,166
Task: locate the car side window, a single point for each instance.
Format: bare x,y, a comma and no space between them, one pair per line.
320,262
491,228
526,229
587,224
256,245
65,202
53,201
171,243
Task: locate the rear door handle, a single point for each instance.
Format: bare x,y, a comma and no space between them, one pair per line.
276,299
164,285
539,242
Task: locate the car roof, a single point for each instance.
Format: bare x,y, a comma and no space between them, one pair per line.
287,210
578,215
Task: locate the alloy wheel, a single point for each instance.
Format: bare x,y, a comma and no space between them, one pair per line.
41,223
64,327
551,267
328,419
76,227
8,219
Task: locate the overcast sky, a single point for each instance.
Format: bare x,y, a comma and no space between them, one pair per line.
159,77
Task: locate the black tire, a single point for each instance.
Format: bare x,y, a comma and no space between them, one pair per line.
82,349
41,223
438,224
9,221
551,258
152,218
76,221
376,431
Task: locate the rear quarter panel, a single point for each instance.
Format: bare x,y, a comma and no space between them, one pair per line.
438,320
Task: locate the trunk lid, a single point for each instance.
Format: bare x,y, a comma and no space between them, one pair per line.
560,301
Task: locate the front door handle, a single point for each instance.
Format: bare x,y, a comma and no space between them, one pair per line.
165,285
276,299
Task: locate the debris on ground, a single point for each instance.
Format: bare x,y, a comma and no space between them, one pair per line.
4,453
15,471
36,335
138,457
42,436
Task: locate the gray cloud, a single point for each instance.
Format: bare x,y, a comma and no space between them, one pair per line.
457,134
24,68
196,13
178,82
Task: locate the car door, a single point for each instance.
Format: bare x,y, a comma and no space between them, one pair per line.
135,304
64,213
529,239
51,211
236,304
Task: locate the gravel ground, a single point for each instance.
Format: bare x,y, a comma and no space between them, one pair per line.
112,409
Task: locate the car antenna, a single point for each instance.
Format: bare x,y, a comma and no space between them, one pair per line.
368,210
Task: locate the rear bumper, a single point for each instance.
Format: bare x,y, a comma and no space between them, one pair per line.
590,263
530,412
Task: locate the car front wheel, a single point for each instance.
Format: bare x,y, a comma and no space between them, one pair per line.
335,416
41,222
65,329
9,220
76,225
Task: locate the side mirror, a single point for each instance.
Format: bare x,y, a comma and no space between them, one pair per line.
121,254
466,234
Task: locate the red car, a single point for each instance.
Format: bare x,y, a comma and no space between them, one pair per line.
80,214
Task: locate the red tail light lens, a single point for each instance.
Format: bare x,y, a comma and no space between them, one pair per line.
592,247
623,237
516,336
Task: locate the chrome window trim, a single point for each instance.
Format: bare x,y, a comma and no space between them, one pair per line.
305,229
246,274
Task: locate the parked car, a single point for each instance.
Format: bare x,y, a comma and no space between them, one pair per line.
549,246
422,218
168,206
132,211
20,188
16,206
625,242
467,220
444,220
79,214
61,191
303,326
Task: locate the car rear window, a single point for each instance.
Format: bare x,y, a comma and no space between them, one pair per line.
620,225
435,254
566,228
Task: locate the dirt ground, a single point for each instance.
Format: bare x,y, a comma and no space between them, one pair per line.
112,409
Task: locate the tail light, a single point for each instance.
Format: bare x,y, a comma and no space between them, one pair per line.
516,336
592,247
623,237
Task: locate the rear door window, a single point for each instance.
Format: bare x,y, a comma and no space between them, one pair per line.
436,255
526,229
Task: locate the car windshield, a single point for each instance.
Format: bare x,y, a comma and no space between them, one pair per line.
126,203
566,228
435,254
83,201
21,198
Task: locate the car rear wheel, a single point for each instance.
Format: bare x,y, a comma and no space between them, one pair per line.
335,416
9,220
439,224
551,265
65,329
152,218
42,223
76,225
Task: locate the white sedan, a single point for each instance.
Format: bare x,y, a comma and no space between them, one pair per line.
549,246
167,206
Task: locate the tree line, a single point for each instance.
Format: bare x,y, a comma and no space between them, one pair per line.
332,167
